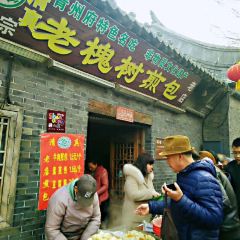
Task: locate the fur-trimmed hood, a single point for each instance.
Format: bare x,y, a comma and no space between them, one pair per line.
131,170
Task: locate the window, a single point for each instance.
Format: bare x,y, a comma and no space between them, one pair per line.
10,136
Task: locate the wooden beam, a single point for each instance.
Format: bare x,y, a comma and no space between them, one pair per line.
110,111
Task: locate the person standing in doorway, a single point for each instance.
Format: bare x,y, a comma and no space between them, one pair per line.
233,168
101,176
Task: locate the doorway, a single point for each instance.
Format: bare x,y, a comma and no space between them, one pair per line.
114,143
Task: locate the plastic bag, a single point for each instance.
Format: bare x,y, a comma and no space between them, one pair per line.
157,225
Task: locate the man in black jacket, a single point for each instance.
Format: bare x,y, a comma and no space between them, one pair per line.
233,168
230,228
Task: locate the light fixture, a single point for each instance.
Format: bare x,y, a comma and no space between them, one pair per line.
146,98
22,51
75,72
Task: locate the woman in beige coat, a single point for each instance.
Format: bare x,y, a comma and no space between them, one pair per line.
138,188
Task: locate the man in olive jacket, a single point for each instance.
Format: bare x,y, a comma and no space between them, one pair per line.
73,211
230,228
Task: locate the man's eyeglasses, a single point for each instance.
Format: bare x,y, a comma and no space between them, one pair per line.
236,153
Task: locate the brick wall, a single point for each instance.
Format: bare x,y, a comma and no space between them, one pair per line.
216,125
37,89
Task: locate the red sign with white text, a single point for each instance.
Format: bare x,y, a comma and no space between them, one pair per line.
125,114
61,161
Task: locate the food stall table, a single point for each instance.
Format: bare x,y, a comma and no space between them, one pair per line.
121,233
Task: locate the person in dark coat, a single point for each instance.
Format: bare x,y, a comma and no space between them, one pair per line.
233,168
230,228
196,204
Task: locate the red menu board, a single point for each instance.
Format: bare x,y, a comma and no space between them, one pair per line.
61,161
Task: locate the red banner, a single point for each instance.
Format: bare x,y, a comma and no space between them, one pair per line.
61,161
125,114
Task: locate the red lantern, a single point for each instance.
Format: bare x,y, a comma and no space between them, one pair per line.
233,72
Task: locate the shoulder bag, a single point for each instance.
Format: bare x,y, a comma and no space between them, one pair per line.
168,231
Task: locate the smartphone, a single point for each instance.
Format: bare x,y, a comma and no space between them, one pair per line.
171,186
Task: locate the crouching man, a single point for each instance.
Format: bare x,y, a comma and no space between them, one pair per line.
73,211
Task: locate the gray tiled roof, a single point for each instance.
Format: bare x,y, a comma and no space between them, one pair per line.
213,58
210,62
162,39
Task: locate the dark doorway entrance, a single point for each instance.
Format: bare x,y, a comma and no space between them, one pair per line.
113,143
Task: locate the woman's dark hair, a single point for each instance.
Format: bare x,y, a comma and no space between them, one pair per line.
142,161
215,156
93,161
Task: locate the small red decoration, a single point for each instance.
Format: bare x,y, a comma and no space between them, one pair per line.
233,72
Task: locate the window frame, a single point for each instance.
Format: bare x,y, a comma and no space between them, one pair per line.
11,160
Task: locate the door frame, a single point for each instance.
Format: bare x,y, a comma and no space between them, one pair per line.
109,110
138,147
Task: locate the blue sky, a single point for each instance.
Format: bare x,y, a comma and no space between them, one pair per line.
211,21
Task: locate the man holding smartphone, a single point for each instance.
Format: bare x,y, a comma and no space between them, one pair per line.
196,203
